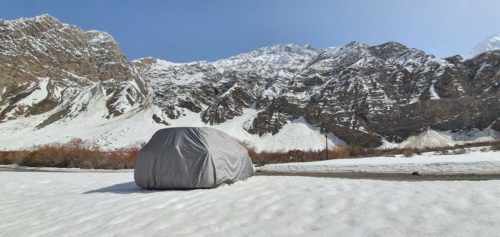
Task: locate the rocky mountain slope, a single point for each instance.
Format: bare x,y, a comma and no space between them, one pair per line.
58,82
50,67
363,94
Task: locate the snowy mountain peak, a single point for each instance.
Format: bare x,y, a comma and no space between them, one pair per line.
39,18
490,43
44,19
100,36
356,44
276,51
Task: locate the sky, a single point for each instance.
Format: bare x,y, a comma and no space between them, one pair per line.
191,30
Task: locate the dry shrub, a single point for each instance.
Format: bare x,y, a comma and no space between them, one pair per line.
80,154
356,151
262,158
73,154
256,157
408,152
11,157
341,153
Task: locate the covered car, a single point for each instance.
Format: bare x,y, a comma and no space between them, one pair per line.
191,157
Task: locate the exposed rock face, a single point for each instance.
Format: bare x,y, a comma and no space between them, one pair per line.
46,65
225,86
361,93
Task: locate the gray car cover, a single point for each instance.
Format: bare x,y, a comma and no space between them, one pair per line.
190,157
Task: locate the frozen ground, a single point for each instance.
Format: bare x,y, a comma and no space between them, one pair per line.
109,204
473,162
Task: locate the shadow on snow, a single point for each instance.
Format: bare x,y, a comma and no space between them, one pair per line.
128,187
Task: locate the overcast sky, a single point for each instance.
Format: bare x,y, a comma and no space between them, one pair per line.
189,30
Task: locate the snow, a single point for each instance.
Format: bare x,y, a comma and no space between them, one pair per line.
37,95
162,64
433,138
434,94
429,138
109,204
135,127
3,92
125,100
473,162
292,136
490,43
129,129
297,134
99,36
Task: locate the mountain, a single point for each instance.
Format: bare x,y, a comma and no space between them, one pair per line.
223,88
59,82
47,66
490,43
359,92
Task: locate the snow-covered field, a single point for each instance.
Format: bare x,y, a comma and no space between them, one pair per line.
473,162
109,204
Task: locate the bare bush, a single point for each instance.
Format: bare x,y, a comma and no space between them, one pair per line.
408,152
73,154
495,147
78,153
262,158
11,157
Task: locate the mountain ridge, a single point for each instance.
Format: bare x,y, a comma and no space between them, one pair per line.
364,95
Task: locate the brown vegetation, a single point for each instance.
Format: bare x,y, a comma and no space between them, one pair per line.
74,154
79,154
495,147
263,158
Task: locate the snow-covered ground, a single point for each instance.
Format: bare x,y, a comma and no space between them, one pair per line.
136,127
473,162
109,204
433,138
